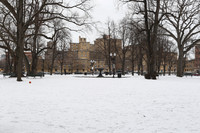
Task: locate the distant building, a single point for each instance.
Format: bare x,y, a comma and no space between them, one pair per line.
190,66
79,55
102,49
57,61
97,52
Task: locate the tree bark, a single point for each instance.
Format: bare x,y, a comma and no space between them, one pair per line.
164,69
180,64
123,63
53,58
151,41
34,64
20,39
132,64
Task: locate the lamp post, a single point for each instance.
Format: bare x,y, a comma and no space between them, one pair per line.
113,55
92,65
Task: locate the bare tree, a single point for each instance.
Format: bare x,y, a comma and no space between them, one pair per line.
8,34
150,9
57,35
21,13
123,34
106,45
139,45
132,41
182,24
63,45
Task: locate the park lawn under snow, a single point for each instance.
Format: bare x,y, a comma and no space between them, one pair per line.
75,104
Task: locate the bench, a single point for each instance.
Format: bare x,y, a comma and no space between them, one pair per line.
35,75
6,74
11,75
188,74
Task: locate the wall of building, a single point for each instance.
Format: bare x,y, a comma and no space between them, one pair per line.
197,58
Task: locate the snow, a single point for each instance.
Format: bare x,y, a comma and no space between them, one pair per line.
76,104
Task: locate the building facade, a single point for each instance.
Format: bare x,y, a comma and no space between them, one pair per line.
79,55
197,58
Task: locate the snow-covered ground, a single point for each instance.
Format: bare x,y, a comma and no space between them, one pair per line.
75,104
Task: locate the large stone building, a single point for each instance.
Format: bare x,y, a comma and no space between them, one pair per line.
79,55
99,52
102,49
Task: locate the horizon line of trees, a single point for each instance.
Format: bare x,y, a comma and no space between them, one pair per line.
167,22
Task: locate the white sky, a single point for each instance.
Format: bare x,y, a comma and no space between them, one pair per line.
103,11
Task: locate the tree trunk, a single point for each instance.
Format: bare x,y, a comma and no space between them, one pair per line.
158,63
20,39
132,58
164,69
132,66
109,60
140,60
123,65
180,63
151,72
15,65
19,53
62,61
61,68
151,41
7,62
158,68
142,69
139,67
53,58
34,64
169,72
27,64
34,47
109,65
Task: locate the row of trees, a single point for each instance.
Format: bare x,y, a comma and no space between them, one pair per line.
26,24
127,40
174,21
155,29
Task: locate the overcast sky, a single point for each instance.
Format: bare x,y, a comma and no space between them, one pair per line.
103,11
